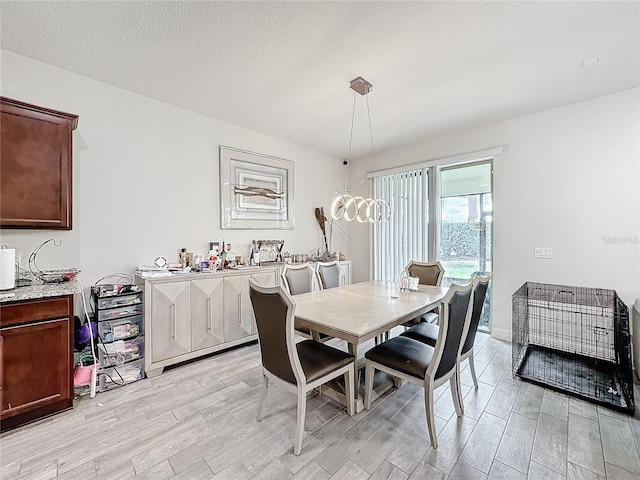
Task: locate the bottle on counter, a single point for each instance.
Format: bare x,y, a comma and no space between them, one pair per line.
223,257
255,253
183,257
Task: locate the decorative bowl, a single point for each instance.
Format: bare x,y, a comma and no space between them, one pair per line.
58,276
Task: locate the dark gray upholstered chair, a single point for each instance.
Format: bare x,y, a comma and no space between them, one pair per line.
428,273
423,364
428,333
328,274
300,367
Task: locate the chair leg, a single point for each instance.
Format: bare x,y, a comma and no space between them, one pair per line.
473,369
302,412
348,382
431,422
455,395
263,395
368,384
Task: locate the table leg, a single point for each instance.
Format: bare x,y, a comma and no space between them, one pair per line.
353,350
359,401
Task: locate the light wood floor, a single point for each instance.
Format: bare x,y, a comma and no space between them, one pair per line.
198,422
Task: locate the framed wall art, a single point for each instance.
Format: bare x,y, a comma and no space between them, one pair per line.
256,191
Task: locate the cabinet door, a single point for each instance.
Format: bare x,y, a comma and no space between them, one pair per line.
35,166
35,370
171,327
237,307
206,313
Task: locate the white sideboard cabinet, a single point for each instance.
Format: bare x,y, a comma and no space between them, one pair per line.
193,315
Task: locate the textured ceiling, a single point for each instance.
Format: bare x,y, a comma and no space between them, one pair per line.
283,68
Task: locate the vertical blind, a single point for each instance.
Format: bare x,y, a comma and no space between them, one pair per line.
404,236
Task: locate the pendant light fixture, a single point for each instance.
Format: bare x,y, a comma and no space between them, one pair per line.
350,208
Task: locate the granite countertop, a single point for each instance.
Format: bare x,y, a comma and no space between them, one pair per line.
38,289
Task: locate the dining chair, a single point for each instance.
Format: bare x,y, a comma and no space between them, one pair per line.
299,367
427,366
299,279
428,273
329,274
428,333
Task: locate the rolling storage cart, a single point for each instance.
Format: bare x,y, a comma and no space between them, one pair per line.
118,311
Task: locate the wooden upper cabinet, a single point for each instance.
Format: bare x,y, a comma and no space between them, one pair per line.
35,166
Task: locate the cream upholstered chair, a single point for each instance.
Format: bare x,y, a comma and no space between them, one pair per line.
428,273
328,274
299,279
300,367
428,333
423,364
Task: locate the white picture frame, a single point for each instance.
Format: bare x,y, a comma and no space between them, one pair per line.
256,191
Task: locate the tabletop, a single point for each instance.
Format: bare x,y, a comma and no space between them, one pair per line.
360,311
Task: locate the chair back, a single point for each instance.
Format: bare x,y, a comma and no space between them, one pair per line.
274,310
328,274
455,315
479,294
298,279
428,273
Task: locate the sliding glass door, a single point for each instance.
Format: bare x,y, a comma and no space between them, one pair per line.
454,229
466,213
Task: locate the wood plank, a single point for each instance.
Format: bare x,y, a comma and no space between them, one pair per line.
529,401
585,444
388,471
550,445
618,444
500,471
483,443
517,443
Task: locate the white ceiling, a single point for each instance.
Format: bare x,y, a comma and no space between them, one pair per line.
283,68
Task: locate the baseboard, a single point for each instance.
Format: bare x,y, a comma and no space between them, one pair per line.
501,334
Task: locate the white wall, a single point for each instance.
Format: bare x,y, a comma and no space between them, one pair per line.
146,179
568,179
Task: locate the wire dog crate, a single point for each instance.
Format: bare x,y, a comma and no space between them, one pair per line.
575,340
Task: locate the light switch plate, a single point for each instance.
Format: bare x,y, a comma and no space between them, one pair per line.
543,253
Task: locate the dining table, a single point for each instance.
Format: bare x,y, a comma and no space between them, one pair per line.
359,312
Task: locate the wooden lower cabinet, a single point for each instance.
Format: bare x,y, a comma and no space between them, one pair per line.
36,359
191,316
